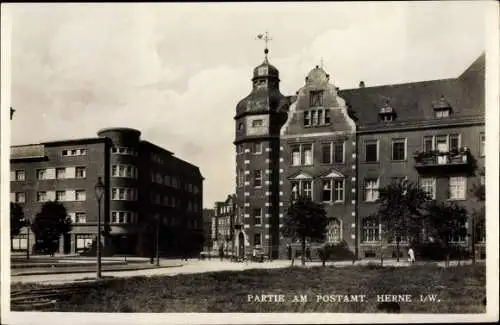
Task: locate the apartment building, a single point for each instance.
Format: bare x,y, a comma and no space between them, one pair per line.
147,188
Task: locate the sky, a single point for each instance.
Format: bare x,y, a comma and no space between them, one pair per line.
176,71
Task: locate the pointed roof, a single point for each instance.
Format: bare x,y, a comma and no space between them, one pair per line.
300,175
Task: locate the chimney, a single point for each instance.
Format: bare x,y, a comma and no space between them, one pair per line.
361,84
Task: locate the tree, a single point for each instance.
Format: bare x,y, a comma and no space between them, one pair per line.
305,220
17,220
401,210
50,223
447,224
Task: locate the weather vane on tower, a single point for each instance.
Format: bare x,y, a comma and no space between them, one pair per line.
266,39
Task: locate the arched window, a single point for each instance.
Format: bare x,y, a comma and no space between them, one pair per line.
370,230
333,232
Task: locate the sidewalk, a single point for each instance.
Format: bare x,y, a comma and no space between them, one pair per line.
202,266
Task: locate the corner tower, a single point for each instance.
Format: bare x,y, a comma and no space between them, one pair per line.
259,117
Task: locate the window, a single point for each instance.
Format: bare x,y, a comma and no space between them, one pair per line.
326,153
327,191
371,230
20,175
262,71
371,190
295,190
83,241
257,178
125,194
441,114
428,185
314,117
338,190
307,118
371,151
257,216
338,152
41,174
123,217
80,172
167,180
482,142
41,196
316,98
441,143
257,239
307,189
333,232
60,196
80,195
428,144
257,148
301,188
399,149
240,126
80,217
261,83
296,155
457,188
307,154
454,142
74,152
20,197
124,151
19,242
257,123
338,186
60,173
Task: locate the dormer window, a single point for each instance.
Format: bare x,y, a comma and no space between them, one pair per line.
442,108
387,113
316,98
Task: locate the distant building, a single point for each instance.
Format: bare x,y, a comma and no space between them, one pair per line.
223,221
148,187
208,216
339,147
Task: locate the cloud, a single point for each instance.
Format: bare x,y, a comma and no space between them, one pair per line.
176,72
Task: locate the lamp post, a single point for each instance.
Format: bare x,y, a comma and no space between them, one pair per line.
99,192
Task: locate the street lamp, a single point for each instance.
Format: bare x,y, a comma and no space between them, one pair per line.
99,192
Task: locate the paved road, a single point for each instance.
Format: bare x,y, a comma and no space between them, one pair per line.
193,266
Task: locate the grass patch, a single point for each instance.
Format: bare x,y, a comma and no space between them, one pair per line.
459,289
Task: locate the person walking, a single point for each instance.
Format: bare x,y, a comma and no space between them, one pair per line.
411,256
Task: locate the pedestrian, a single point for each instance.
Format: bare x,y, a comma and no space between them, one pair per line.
411,256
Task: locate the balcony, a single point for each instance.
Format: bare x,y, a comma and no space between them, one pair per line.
443,160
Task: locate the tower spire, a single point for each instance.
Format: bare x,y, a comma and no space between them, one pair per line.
265,37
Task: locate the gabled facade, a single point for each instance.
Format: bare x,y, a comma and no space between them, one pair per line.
318,155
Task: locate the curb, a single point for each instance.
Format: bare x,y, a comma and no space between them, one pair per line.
92,271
